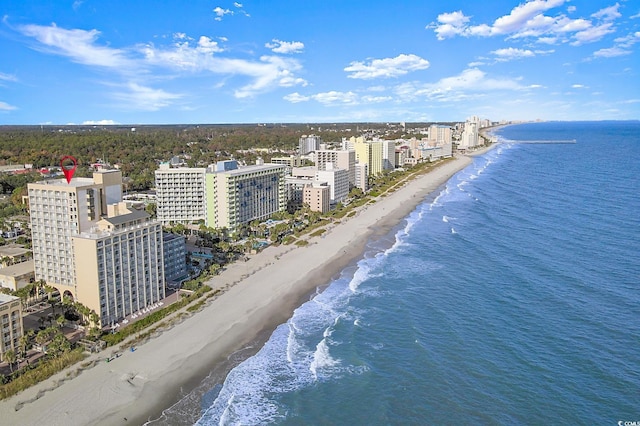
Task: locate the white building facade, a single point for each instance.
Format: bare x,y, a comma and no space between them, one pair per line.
180,194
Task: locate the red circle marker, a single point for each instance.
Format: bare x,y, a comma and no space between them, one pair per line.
67,169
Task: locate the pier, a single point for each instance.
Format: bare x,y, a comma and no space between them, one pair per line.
557,141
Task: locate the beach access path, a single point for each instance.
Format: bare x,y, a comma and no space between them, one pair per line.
260,294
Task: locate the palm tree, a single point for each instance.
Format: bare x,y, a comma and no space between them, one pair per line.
60,320
42,337
94,318
10,357
24,344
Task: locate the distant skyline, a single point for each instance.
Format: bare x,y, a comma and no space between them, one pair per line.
149,62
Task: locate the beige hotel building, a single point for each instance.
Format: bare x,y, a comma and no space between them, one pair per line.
90,247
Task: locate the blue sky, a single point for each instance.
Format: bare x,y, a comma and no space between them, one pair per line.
196,61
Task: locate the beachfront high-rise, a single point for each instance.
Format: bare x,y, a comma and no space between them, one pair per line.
60,210
93,249
440,135
338,181
236,196
119,264
317,195
180,194
362,176
371,154
342,159
388,155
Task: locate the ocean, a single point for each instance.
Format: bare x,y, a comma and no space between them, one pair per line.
509,296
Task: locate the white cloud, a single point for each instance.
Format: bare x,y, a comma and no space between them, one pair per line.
333,97
450,24
6,107
238,5
528,20
206,45
79,45
8,77
279,46
578,86
628,41
270,72
571,9
521,15
99,122
535,86
611,52
375,99
547,40
330,98
220,12
267,73
183,56
511,53
296,97
621,47
144,98
592,34
470,82
287,79
387,67
608,13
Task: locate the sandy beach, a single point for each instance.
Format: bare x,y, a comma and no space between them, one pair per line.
259,295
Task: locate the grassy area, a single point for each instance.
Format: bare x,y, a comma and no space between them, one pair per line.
318,232
136,327
42,371
302,243
289,239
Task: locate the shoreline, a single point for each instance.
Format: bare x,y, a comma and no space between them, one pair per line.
260,295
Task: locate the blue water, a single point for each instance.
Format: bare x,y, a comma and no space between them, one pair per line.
511,297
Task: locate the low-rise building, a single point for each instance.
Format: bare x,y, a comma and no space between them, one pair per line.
289,162
11,254
17,276
11,323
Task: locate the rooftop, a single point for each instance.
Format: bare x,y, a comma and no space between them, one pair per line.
13,250
253,168
75,182
125,218
4,298
19,269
